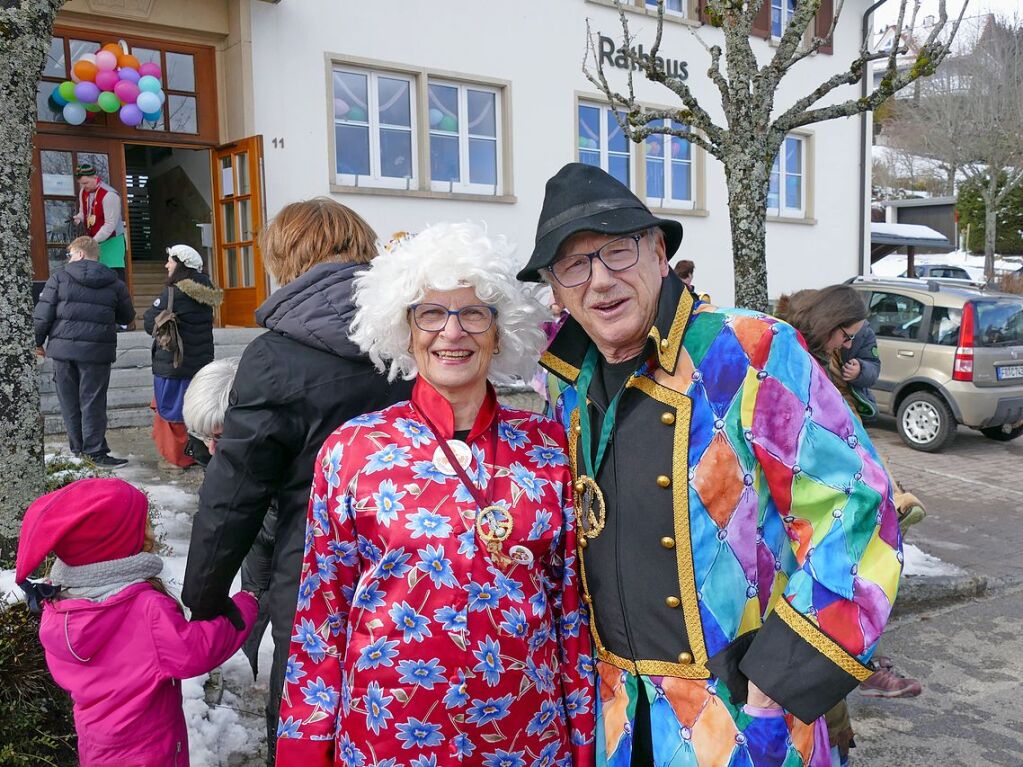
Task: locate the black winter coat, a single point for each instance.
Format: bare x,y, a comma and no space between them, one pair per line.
195,298
295,385
79,311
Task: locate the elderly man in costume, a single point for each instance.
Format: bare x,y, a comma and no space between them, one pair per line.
739,548
99,210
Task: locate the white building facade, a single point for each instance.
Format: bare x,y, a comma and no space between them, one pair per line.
414,113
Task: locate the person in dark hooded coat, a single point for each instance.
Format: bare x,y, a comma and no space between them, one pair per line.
295,384
77,318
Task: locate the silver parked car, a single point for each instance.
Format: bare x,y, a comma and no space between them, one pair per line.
950,355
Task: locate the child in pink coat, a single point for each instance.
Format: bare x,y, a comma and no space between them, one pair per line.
114,639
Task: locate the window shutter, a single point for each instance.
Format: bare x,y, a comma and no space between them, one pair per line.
825,15
762,22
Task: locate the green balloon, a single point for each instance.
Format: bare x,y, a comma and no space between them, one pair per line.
92,107
449,123
67,91
108,102
356,114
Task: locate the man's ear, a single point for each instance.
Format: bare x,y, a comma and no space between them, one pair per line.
662,258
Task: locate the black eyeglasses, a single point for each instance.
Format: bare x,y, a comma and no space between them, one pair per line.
432,318
849,338
576,269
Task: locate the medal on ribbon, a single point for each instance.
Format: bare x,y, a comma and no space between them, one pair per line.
590,506
493,523
494,526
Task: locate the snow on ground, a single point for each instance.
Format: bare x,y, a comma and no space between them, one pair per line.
895,264
919,562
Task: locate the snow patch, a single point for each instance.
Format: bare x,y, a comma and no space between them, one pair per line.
919,562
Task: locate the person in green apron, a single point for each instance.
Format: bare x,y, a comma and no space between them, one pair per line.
99,210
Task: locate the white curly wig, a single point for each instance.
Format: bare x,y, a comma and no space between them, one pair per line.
447,257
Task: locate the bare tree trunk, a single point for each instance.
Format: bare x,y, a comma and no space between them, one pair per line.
25,29
991,198
746,176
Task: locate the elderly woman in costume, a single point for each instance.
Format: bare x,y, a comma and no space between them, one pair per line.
439,617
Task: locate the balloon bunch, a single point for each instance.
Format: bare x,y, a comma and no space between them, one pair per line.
111,80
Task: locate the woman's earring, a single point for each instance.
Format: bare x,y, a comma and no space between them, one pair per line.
496,351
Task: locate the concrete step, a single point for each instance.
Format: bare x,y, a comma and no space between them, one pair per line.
131,378
117,418
120,378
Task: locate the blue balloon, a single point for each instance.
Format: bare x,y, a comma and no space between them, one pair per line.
74,114
149,83
153,116
57,98
148,102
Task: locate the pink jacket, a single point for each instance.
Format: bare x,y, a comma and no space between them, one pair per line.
121,660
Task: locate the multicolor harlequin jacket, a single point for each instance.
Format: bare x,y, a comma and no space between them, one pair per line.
411,645
750,529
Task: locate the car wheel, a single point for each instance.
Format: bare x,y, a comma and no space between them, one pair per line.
1002,433
925,422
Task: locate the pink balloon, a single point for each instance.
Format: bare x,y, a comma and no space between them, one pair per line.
150,68
131,115
126,91
106,80
106,61
129,74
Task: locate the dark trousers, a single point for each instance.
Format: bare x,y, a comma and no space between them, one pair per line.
82,391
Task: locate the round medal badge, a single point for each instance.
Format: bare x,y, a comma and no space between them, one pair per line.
462,453
520,554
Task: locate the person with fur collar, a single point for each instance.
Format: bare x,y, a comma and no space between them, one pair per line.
194,300
113,637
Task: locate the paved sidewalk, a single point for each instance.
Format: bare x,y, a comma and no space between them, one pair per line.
973,494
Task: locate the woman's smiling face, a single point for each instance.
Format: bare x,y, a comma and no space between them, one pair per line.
452,360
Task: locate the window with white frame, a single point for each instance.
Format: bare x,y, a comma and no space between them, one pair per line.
781,15
603,143
374,136
786,193
669,169
465,142
670,6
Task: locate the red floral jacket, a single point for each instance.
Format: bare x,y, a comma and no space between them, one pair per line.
412,645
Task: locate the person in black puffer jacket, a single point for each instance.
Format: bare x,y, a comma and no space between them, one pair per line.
195,298
295,384
78,311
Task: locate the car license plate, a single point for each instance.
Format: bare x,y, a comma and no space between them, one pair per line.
1009,371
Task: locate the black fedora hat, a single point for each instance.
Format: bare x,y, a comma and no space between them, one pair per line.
583,198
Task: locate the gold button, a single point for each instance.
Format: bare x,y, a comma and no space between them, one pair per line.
663,481
579,487
577,429
685,658
668,542
664,343
667,418
583,543
672,601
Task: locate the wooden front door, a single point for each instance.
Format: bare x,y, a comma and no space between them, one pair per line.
55,194
238,190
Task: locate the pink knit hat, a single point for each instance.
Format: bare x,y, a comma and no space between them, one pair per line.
88,521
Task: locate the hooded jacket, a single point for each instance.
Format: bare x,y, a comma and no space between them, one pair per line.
121,659
195,298
295,384
79,310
